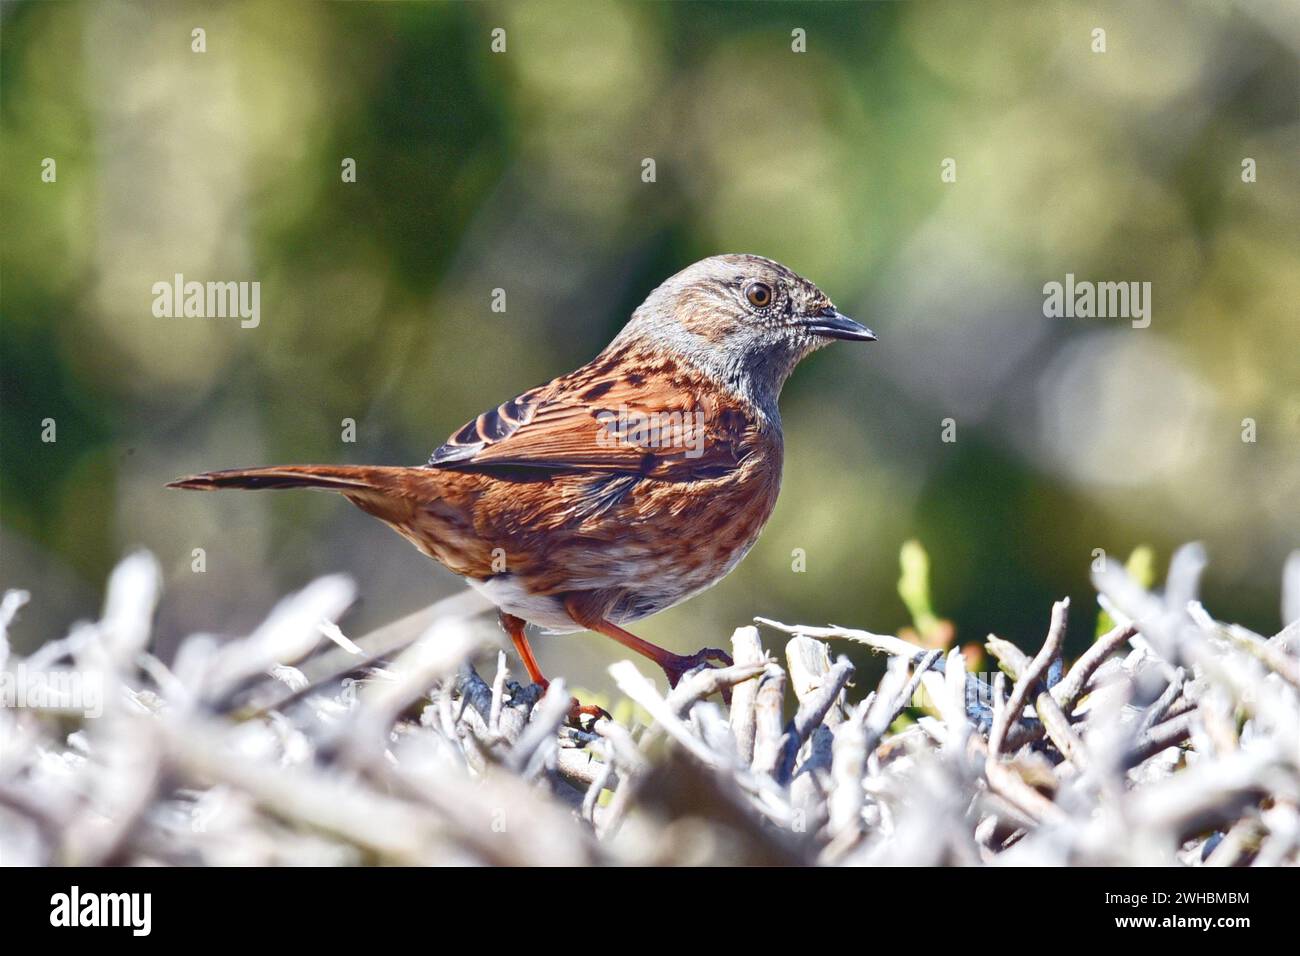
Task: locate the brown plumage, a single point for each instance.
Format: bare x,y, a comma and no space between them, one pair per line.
624,487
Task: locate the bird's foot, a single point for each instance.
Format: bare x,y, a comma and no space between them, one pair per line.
677,665
578,710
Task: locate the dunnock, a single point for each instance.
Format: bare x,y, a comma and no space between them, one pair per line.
624,487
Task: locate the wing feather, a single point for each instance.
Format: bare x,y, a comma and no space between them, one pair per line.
665,425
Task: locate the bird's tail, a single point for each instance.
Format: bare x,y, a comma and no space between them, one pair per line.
343,478
394,495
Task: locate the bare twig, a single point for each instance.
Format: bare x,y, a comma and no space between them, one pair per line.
1050,651
810,715
746,649
1072,686
421,761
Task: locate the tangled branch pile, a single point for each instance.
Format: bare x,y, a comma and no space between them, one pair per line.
1173,739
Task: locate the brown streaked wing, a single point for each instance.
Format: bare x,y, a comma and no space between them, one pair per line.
597,425
492,426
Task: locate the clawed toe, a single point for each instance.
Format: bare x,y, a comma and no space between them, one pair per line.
678,666
715,654
578,710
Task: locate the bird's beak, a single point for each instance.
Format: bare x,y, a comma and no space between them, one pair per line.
834,325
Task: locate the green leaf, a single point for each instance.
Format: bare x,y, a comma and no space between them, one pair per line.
1141,566
914,586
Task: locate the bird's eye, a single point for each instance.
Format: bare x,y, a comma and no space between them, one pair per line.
759,294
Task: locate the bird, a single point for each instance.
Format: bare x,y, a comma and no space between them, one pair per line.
622,488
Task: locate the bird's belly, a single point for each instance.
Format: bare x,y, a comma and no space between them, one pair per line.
642,574
672,583
655,588
658,547
508,593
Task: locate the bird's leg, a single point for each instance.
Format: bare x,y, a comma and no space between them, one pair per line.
674,665
514,626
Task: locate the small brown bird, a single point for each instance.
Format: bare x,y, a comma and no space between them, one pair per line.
624,487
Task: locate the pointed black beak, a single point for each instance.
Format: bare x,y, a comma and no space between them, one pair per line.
832,324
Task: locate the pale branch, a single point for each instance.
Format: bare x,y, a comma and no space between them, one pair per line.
1054,721
812,711
333,663
745,649
538,740
977,691
1267,652
407,756
1075,681
707,681
1160,706
1050,651
768,730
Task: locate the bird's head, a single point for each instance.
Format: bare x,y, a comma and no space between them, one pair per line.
743,318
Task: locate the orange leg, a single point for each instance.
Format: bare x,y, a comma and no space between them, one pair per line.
674,665
514,626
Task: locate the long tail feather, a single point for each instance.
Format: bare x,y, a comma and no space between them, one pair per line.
344,478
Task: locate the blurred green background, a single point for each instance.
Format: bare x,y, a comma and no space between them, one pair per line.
522,171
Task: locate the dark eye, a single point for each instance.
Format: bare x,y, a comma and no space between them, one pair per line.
759,294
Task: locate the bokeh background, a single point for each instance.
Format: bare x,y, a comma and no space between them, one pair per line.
522,171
